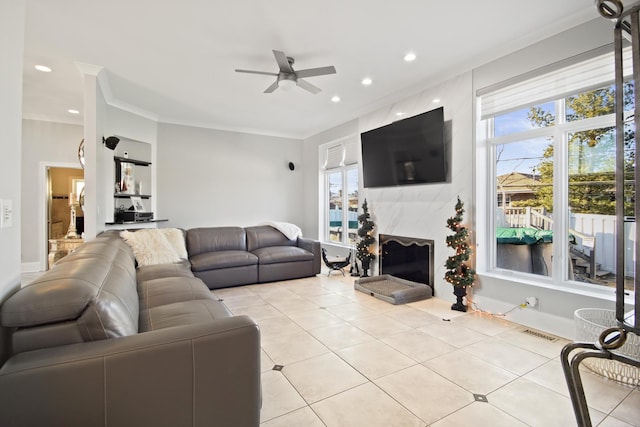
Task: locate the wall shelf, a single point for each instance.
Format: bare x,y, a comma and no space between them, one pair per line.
128,195
135,222
118,159
129,164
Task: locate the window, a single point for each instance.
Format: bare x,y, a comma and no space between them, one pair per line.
339,174
549,145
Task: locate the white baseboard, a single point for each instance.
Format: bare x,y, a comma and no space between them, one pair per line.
30,267
546,322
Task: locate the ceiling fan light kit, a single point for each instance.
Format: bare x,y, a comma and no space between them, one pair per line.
287,77
286,83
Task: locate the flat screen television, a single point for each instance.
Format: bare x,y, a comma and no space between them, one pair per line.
406,152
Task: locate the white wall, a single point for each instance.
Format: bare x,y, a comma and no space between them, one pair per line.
12,15
213,178
94,113
42,142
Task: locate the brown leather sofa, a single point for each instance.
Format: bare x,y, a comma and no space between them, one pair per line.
232,256
96,341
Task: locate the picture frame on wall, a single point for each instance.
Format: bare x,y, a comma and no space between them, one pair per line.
138,206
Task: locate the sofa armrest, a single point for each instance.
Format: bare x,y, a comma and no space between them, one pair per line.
196,375
312,246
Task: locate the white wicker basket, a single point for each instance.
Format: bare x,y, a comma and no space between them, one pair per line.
590,322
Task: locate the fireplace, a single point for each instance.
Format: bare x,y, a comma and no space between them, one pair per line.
408,258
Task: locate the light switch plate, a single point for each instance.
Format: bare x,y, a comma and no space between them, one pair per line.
6,213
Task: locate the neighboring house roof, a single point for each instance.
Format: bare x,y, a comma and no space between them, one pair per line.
516,182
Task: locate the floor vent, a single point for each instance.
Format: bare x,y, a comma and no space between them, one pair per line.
540,335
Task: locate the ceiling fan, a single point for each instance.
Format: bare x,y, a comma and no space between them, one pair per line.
288,76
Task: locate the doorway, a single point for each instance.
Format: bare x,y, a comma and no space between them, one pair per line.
63,186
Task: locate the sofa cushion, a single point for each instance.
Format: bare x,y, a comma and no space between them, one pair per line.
168,290
210,239
150,272
222,259
261,236
44,336
150,247
182,314
63,293
96,295
120,256
279,254
176,238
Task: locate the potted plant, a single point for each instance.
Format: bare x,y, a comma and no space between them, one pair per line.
364,252
459,273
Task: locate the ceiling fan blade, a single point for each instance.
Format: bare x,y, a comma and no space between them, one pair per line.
256,72
271,88
308,86
320,71
283,62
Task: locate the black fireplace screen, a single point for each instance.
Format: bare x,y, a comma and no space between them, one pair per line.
407,258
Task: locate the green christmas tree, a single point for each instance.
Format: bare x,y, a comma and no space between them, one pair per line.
363,249
459,274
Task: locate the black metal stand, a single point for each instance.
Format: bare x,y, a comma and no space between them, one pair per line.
337,264
354,270
613,338
571,367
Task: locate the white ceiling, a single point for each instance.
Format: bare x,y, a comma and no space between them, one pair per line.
175,60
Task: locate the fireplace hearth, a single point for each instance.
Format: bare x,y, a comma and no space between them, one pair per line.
408,258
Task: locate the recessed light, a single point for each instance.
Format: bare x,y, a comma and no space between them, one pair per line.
409,57
335,98
72,111
43,68
400,113
436,100
367,81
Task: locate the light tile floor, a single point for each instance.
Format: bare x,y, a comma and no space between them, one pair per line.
352,360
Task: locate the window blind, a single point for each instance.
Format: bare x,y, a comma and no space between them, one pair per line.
585,75
351,151
334,157
341,154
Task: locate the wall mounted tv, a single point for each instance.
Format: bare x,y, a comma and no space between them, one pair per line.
406,152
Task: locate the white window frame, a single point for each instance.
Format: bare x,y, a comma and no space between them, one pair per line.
337,156
487,194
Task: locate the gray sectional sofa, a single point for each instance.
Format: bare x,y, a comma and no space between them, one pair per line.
231,256
97,340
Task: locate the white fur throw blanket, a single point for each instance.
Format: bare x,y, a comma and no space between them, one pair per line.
291,231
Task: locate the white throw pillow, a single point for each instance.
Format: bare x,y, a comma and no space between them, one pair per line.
176,239
150,247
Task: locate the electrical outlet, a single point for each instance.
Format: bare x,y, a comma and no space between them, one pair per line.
532,302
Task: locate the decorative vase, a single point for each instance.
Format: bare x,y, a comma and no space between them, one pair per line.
459,292
365,267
